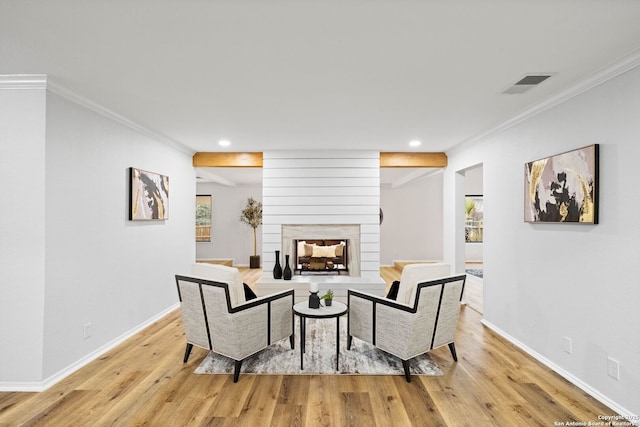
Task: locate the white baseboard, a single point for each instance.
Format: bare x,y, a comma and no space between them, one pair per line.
24,386
633,418
38,386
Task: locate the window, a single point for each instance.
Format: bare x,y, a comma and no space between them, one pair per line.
203,218
473,219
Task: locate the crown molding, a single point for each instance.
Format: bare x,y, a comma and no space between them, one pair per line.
23,81
599,77
94,106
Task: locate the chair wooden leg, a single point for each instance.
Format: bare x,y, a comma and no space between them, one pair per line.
349,338
292,341
452,348
236,370
187,352
407,374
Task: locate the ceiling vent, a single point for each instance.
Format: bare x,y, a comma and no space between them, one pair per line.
525,83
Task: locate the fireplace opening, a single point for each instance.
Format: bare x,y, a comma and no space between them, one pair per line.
320,256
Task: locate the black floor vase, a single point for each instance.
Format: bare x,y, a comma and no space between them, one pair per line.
286,274
277,270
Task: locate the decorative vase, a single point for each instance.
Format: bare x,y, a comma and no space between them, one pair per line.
328,302
286,274
277,270
314,300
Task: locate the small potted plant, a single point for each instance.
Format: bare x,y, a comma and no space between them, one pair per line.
328,298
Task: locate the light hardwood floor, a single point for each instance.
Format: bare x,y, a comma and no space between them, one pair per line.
144,382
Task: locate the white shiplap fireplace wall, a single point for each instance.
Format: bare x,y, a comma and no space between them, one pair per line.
320,188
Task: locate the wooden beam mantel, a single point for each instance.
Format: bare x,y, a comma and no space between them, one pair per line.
254,160
413,160
229,160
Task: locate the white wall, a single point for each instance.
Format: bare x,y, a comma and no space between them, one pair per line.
473,181
543,282
97,266
230,238
22,218
412,226
309,187
100,267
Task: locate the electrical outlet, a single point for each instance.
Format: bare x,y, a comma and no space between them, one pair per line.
567,345
86,331
613,368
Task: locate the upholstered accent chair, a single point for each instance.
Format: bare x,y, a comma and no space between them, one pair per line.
216,316
423,317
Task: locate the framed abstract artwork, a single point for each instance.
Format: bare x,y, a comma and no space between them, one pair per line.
563,187
148,195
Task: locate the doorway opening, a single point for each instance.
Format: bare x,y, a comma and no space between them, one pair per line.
473,236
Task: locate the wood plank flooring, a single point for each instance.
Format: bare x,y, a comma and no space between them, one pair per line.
144,382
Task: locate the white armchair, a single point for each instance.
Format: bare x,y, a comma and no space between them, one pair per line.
424,316
216,316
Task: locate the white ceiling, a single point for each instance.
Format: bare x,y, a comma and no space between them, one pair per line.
316,74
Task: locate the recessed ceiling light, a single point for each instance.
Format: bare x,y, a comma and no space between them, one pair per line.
415,143
224,143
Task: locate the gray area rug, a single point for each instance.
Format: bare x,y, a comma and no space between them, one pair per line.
320,356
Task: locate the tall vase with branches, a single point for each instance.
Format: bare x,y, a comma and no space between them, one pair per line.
252,216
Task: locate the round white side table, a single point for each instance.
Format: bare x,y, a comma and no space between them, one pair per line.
336,310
